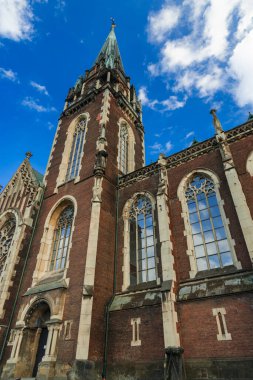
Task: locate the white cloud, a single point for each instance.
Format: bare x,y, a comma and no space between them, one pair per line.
153,69
143,96
170,104
16,19
8,74
39,87
209,49
189,134
50,125
168,146
241,68
157,148
162,22
33,104
60,5
173,103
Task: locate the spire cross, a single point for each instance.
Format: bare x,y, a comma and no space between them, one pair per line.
28,155
113,25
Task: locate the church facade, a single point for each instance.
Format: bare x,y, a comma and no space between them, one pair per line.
113,270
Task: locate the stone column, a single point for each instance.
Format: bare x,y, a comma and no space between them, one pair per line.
235,186
171,336
53,331
16,346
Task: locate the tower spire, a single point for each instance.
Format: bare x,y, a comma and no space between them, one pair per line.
110,51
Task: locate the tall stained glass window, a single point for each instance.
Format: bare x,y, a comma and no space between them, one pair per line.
210,241
123,149
142,246
61,239
76,150
6,237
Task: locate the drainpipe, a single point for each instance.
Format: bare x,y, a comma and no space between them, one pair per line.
8,327
109,303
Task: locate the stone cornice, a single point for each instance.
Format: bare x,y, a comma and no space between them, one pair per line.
188,154
79,103
120,99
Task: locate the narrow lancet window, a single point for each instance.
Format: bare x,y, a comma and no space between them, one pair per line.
76,150
142,246
6,237
211,246
61,239
123,149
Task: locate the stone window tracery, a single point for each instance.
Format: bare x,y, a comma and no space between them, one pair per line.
211,245
141,241
76,150
6,238
61,240
123,149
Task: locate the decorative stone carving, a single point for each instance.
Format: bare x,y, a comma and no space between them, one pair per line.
6,236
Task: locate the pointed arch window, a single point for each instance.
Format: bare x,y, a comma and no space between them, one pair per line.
123,148
76,150
6,238
211,245
61,239
142,242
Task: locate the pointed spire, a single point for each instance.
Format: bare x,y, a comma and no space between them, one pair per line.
110,51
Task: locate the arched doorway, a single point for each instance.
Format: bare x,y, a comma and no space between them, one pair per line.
36,334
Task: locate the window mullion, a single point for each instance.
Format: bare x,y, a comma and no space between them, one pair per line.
201,229
79,151
137,248
72,154
55,252
77,145
214,232
153,229
63,243
145,240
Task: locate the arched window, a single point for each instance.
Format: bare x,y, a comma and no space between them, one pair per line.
141,241
123,149
6,237
211,246
76,150
61,239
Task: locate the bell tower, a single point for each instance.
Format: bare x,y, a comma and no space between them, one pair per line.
70,270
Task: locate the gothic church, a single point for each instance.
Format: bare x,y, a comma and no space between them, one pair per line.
110,269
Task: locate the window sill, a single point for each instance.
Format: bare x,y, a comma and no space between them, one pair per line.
216,272
217,285
143,286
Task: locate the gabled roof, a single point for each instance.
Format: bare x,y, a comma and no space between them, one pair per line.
110,52
30,176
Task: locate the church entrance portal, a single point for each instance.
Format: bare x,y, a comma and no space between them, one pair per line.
35,337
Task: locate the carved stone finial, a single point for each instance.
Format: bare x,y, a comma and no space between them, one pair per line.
28,155
250,116
162,159
216,121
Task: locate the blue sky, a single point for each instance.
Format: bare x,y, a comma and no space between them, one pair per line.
184,57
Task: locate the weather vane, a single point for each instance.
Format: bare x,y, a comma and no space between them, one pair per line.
113,23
